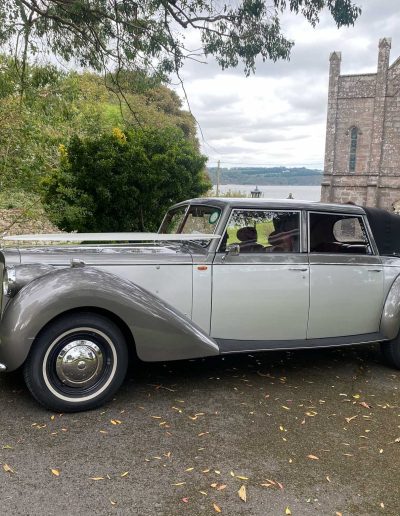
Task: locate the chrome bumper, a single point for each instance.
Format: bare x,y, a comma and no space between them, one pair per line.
3,368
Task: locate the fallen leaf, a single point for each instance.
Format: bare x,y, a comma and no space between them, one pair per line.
221,487
348,419
8,469
288,511
124,474
185,500
115,422
113,502
382,505
328,479
364,404
242,493
56,472
313,457
97,478
338,513
216,508
189,469
179,484
242,478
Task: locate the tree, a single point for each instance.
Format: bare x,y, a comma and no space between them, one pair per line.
123,181
57,105
149,34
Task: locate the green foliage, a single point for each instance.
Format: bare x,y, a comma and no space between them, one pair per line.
57,105
149,35
123,181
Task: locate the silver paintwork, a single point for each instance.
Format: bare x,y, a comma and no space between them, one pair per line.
179,300
260,296
159,331
79,363
391,311
3,368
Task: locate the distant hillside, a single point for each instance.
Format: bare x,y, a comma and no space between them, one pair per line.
266,176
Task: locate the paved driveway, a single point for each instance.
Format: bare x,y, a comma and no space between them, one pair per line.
310,432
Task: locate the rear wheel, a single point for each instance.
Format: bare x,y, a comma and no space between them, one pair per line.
77,362
391,352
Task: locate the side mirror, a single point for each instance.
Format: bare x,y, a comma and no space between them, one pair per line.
231,250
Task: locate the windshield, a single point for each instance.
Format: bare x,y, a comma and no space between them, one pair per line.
191,220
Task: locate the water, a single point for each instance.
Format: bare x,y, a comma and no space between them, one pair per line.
304,193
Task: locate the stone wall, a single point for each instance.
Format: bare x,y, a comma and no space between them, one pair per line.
370,103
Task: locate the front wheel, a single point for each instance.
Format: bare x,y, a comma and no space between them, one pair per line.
391,352
77,363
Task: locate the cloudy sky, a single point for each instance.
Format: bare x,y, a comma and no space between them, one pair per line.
277,116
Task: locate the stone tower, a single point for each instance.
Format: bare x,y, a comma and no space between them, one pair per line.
362,152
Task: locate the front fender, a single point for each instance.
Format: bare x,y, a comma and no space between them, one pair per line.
159,330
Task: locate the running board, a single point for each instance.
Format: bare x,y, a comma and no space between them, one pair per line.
240,346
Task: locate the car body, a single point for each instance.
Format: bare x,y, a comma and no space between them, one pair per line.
221,276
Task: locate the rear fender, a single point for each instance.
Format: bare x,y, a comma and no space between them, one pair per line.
160,332
390,320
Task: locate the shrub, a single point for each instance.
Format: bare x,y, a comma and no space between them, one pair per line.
123,181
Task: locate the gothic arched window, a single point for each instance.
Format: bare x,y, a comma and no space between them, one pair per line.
353,149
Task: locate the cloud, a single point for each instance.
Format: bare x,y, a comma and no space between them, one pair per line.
278,115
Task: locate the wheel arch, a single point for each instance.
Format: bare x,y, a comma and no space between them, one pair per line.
96,310
159,331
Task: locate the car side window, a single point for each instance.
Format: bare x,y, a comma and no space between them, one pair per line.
263,231
336,233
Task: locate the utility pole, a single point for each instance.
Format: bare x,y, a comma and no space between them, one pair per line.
218,178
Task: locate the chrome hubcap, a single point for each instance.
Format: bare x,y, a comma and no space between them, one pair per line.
79,363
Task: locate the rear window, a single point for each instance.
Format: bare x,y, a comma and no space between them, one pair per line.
334,233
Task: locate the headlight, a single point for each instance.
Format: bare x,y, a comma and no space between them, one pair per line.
9,281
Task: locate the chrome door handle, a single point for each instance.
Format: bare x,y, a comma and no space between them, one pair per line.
298,269
374,270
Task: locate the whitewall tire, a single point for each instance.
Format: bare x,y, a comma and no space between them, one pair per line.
77,362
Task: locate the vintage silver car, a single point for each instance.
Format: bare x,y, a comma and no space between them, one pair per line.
220,276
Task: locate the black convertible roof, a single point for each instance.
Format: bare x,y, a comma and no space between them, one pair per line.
385,227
